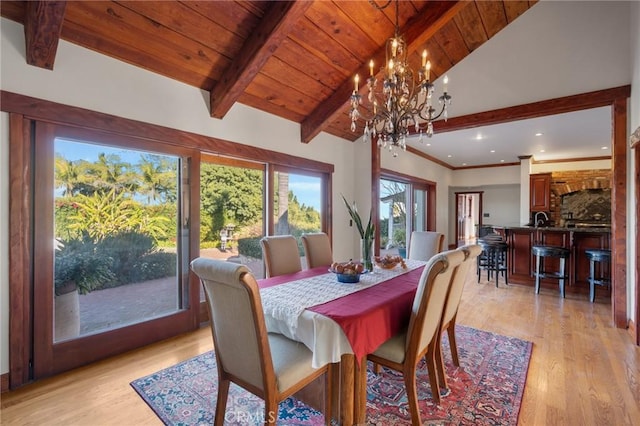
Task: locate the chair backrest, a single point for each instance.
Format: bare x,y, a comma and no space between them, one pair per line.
237,320
430,299
317,249
280,254
471,252
423,245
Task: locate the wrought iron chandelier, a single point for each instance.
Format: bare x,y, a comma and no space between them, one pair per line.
401,100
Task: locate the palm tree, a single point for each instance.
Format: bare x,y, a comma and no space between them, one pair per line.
109,172
67,175
158,178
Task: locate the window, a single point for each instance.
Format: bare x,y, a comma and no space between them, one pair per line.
396,223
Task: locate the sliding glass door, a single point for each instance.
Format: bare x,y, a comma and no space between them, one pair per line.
111,244
406,205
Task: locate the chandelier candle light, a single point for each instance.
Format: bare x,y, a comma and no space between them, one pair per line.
402,101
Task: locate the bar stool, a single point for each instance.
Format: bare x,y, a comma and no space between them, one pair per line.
550,251
597,255
493,258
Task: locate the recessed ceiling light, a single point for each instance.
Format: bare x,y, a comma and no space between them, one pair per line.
479,137
449,155
502,161
493,150
605,147
542,150
428,144
538,134
464,164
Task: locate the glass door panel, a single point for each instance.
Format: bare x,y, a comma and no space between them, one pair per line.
419,210
111,230
231,212
297,204
393,217
115,221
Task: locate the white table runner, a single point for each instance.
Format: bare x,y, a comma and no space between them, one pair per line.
285,302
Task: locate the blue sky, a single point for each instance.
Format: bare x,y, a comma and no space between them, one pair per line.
305,188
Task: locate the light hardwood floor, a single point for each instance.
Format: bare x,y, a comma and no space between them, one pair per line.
582,372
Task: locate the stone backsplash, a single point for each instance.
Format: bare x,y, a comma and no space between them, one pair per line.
583,195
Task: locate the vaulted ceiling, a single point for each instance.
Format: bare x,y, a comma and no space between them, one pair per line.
292,59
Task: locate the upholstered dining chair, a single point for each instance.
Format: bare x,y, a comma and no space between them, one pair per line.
317,249
403,351
280,254
424,244
268,365
458,280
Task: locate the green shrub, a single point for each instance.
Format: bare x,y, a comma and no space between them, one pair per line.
135,258
154,265
78,262
250,247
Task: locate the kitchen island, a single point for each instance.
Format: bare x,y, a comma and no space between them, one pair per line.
521,261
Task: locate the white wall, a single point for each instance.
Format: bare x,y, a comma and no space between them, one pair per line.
570,166
488,176
89,80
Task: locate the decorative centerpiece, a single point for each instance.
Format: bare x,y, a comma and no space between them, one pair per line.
348,272
366,235
390,261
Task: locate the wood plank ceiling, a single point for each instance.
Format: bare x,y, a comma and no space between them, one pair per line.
292,59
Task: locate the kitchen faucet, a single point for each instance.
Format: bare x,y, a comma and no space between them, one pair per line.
539,222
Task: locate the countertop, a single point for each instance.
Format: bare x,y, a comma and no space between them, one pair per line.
606,229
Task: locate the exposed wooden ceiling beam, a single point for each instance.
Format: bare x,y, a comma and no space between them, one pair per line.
42,27
258,48
533,110
416,32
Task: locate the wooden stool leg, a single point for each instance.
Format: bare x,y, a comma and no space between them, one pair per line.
537,274
562,275
496,264
592,286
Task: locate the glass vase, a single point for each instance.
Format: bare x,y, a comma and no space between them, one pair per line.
366,253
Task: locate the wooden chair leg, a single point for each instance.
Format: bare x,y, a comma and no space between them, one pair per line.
221,403
451,332
270,411
412,395
439,358
328,395
433,374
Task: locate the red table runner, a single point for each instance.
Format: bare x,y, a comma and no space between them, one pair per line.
368,317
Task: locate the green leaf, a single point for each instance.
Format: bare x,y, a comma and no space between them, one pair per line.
367,232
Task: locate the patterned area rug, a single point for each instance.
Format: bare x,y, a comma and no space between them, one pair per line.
486,390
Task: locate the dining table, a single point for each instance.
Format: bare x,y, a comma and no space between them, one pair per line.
342,322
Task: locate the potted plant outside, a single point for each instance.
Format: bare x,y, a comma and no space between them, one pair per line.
78,270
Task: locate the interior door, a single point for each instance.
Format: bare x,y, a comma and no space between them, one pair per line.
111,246
468,216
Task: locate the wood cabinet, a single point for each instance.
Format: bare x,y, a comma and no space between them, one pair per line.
540,192
522,262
